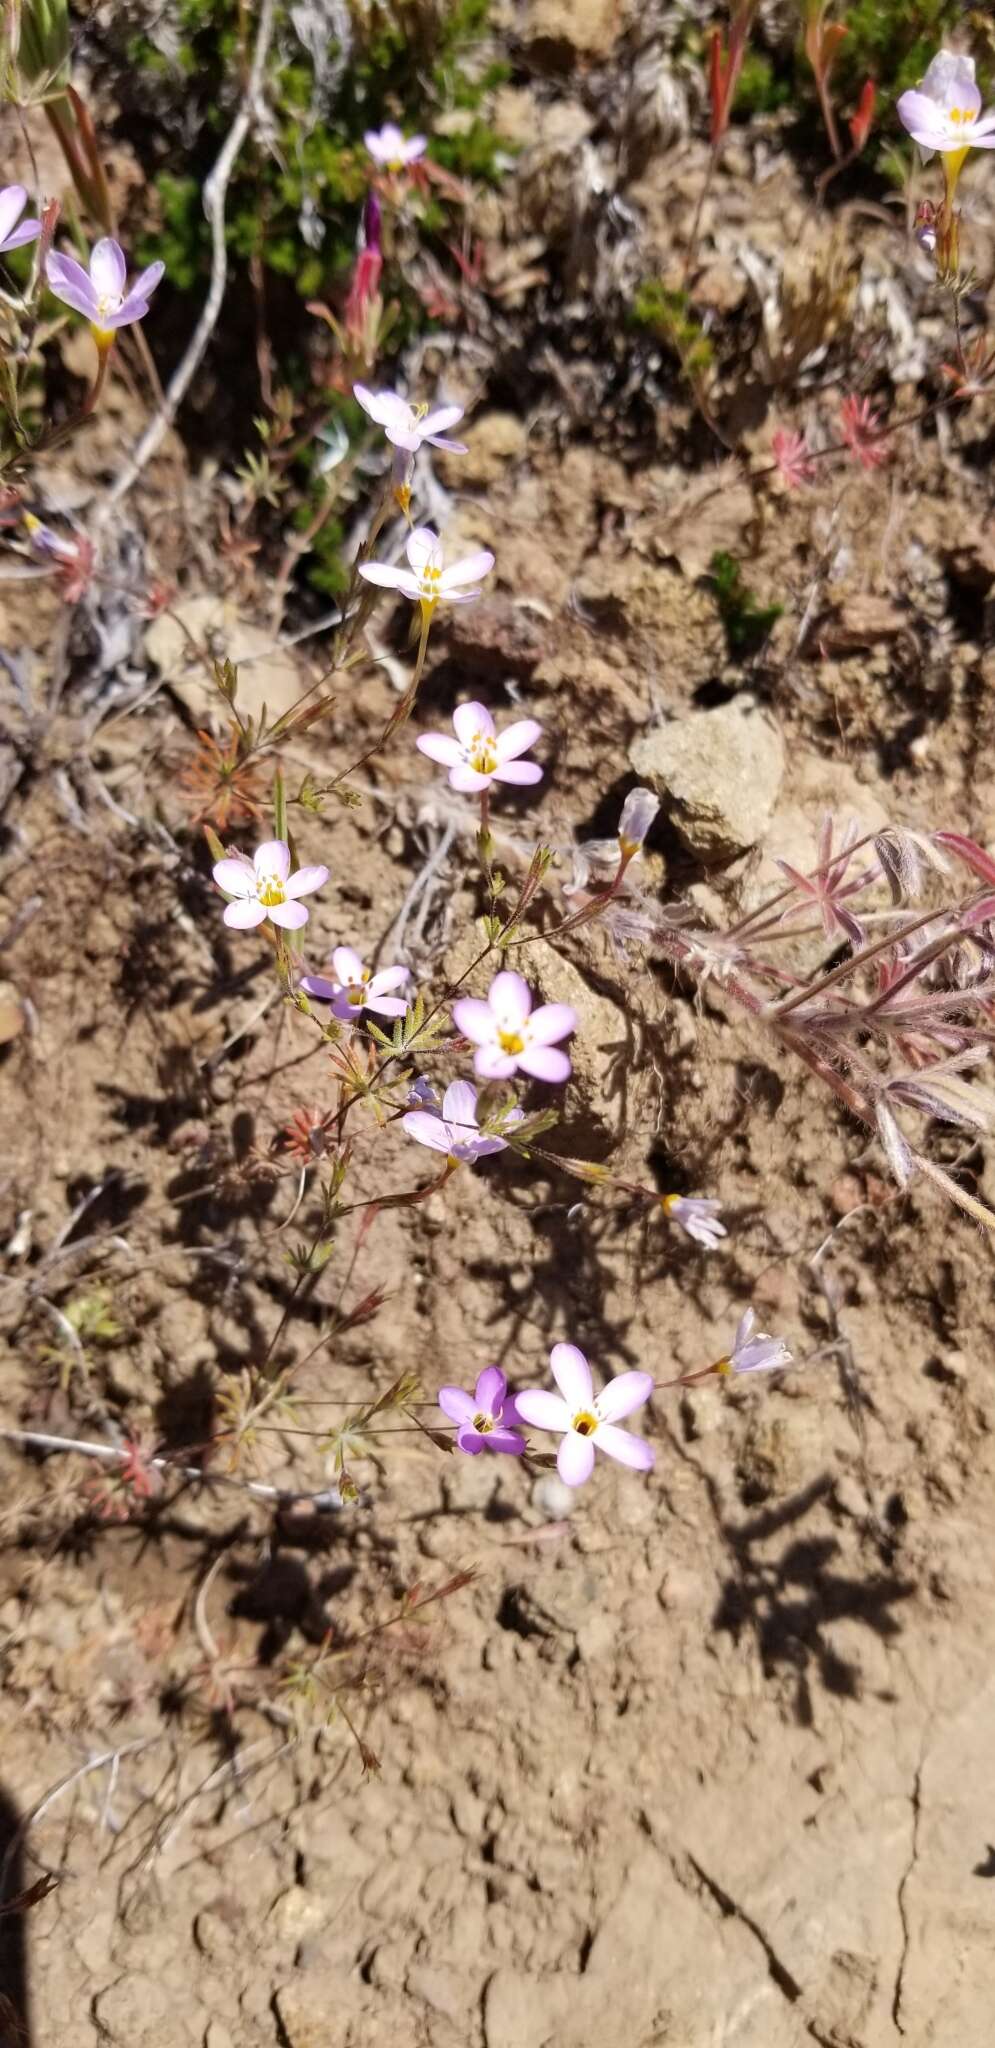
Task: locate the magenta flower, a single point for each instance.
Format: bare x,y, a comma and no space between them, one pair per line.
480,755
392,150
587,1420
355,988
751,1353
861,430
457,1132
698,1216
482,1417
510,1036
427,580
102,295
408,426
13,200
792,458
264,887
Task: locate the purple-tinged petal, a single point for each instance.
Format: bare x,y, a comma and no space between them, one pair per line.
457,1404
141,288
427,1129
494,1065
518,738
13,200
625,1448
439,747
623,1395
550,1023
459,1105
544,1063
472,569
388,578
387,978
475,1020
291,916
423,549
439,422
510,999
442,441
272,858
385,1006
572,1374
471,720
236,877
505,1440
468,780
480,1148
543,1410
575,1459
243,915
70,283
347,964
305,880
108,269
316,985
490,1390
521,772
28,231
346,1011
470,1440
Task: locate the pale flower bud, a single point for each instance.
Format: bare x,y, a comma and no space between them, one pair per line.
638,812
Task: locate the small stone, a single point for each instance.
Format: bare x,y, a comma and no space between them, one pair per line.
298,1913
563,30
269,677
551,1499
718,773
492,443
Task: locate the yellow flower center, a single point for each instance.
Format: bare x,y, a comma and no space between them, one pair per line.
511,1041
483,754
431,579
962,115
354,995
483,1423
270,891
723,1366
584,1422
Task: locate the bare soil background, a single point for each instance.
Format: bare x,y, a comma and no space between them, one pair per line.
707,1760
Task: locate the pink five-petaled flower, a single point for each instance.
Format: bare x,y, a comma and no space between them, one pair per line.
482,1418
698,1215
510,1035
102,294
392,150
860,427
753,1353
480,755
264,887
13,200
588,1420
456,1132
355,988
944,111
407,426
792,458
427,579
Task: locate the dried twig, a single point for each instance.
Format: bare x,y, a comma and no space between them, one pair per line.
215,191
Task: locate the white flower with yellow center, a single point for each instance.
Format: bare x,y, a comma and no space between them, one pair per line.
586,1420
944,111
480,755
408,426
102,294
355,989
427,580
392,149
264,887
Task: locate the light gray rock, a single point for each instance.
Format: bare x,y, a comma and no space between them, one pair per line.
718,774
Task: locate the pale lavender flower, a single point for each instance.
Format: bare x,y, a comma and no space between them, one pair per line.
391,149
698,1216
355,988
457,1132
944,111
587,1420
754,1353
423,1094
409,426
264,887
638,812
483,1417
103,295
510,1036
480,755
427,580
13,200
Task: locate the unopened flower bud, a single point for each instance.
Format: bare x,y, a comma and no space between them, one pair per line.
638,812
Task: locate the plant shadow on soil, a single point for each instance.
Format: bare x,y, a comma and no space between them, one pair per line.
15,2018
